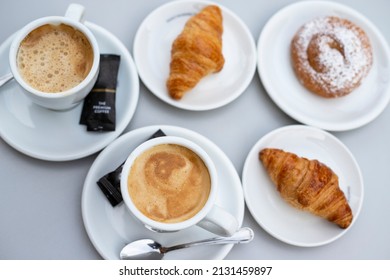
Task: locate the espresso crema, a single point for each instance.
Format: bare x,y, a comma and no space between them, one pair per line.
54,58
169,183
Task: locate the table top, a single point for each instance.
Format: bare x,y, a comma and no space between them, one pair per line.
40,201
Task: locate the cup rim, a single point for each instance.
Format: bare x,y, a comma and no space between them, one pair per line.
24,31
160,226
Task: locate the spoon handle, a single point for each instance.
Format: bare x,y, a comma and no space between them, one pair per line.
4,79
243,235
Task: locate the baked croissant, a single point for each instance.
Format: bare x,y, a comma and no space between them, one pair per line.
196,52
308,185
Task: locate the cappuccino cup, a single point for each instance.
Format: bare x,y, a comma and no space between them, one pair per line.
170,184
55,59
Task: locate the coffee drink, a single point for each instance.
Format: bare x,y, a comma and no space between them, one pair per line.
169,183
54,58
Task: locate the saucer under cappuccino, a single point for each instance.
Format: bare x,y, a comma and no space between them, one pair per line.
169,183
54,58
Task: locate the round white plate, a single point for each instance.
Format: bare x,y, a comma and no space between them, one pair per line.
110,228
58,136
152,55
358,108
276,216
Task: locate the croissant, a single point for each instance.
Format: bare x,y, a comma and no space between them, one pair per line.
307,185
196,52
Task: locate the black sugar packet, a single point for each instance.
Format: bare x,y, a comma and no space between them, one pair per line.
99,112
109,184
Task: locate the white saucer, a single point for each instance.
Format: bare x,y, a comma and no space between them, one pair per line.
58,136
358,108
276,216
152,55
110,228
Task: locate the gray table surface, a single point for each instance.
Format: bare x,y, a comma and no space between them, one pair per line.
40,201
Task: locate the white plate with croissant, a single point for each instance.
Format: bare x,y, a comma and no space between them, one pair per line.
216,68
361,102
302,185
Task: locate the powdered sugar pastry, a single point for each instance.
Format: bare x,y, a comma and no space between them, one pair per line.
331,56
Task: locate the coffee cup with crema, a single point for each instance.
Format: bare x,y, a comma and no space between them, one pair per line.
55,59
170,184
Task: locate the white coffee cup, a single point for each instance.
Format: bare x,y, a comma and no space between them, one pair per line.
68,98
211,217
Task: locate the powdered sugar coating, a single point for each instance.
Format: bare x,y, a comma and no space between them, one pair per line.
331,56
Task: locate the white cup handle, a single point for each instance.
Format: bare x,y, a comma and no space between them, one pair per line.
75,12
219,222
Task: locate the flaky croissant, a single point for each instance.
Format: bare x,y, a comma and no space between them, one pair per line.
196,52
308,185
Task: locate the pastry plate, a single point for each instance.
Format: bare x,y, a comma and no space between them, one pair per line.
110,228
358,108
276,216
57,135
152,54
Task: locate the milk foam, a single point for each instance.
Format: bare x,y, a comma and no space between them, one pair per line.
54,58
169,183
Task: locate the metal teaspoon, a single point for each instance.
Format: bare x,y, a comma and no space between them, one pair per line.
149,249
4,79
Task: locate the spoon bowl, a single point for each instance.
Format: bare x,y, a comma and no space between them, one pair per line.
148,249
143,249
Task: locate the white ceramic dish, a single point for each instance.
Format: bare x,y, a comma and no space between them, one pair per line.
152,54
276,216
27,127
110,228
358,108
